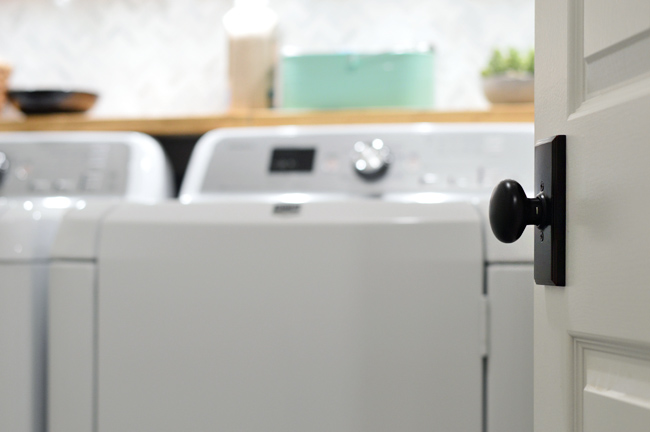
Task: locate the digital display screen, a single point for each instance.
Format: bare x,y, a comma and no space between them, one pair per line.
292,160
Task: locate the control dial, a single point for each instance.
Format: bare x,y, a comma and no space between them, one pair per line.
4,166
371,160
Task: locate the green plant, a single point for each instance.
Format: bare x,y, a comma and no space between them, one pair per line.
512,61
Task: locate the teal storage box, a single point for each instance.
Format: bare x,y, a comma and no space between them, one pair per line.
330,81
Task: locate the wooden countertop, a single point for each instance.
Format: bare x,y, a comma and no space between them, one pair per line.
200,125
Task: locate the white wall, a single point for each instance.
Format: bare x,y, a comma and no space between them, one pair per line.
167,57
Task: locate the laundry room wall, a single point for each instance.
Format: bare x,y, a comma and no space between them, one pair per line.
168,57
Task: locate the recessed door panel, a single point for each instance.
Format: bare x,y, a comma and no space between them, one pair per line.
609,48
602,32
612,389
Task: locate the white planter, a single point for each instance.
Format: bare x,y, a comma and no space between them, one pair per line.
516,88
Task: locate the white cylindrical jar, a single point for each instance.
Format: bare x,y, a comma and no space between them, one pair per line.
251,29
5,72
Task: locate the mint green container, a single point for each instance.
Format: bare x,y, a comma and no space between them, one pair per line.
330,81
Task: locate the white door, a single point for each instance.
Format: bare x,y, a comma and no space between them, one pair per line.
592,337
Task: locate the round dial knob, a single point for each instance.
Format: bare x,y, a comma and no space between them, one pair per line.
511,211
371,160
4,166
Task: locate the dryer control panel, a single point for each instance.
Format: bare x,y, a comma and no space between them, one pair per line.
46,169
359,160
125,165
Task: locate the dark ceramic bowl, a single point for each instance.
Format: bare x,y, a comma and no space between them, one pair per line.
51,101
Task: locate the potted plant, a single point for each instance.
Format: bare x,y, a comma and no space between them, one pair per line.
508,77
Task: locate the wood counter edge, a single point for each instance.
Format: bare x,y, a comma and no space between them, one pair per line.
200,125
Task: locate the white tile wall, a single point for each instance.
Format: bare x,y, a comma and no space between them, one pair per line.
167,57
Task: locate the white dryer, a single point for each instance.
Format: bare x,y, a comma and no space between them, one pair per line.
42,176
313,278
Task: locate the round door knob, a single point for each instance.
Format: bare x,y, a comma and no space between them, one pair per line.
511,211
371,160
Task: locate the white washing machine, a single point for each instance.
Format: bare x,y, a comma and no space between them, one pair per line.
313,278
42,176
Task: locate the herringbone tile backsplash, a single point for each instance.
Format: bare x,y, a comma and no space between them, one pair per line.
167,57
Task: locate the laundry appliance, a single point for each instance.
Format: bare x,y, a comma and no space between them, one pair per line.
310,278
42,176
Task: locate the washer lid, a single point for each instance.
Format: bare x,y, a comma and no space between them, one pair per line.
359,313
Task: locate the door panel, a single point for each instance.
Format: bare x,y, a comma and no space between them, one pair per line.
608,244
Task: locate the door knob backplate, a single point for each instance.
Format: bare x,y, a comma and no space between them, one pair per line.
550,240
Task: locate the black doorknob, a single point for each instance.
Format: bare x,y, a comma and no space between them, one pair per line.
511,211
